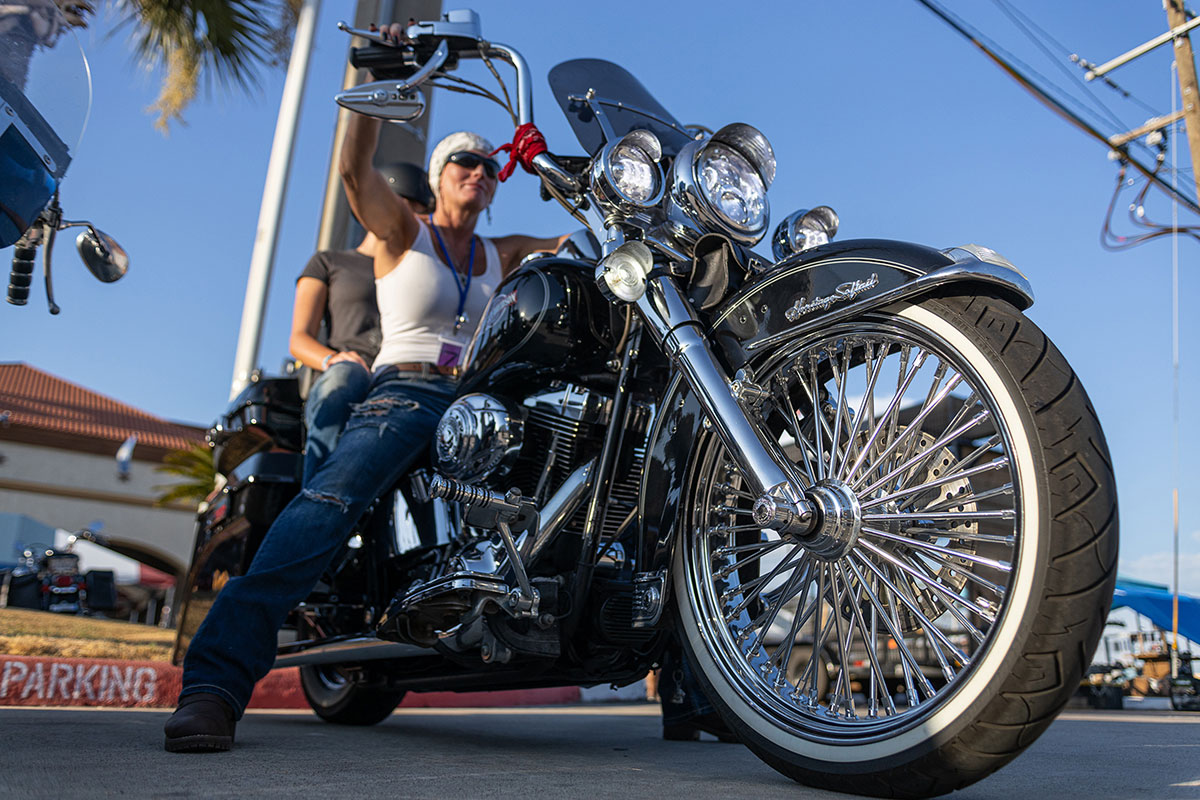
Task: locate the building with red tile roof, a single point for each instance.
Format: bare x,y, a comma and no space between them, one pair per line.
58,444
39,408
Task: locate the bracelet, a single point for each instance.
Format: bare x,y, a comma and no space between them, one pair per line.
325,361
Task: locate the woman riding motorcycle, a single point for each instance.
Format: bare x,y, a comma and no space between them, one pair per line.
431,279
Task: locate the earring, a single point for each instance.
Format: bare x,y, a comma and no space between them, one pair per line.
489,214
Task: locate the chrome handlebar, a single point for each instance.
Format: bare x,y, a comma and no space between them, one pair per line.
373,99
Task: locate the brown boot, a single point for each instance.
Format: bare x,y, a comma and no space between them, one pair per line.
202,723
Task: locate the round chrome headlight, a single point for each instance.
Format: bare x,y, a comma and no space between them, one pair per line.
721,185
733,188
626,175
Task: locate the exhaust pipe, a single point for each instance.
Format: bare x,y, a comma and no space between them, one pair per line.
351,651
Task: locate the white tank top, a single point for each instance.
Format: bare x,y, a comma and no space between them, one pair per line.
418,300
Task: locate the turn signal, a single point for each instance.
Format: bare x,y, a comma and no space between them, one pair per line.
621,275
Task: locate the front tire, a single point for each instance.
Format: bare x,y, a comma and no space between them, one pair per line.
956,617
335,696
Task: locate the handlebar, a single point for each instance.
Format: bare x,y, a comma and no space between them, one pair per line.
434,47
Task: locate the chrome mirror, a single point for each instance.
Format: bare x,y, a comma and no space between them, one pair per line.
390,100
106,259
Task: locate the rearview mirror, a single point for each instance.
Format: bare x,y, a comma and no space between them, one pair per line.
103,257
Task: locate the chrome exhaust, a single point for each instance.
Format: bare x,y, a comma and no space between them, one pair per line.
350,651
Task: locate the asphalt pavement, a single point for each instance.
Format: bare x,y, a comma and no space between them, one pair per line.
562,752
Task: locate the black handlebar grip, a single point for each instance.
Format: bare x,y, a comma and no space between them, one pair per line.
21,276
385,63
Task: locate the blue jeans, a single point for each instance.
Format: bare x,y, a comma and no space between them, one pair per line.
330,400
235,645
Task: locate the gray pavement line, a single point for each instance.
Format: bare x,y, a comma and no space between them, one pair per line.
640,710
1131,716
646,710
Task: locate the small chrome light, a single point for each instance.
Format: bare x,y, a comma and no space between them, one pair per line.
627,175
622,273
803,230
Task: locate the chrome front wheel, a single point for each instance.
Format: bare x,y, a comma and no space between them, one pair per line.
918,595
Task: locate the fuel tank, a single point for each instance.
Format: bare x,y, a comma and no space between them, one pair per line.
546,320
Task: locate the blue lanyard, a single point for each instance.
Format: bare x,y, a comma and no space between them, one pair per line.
463,286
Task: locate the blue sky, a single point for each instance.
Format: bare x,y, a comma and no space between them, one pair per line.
876,108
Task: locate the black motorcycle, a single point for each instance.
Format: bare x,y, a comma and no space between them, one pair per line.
867,494
49,579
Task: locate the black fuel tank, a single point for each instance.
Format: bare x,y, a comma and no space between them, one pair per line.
547,318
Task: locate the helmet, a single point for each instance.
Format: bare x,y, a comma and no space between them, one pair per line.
408,180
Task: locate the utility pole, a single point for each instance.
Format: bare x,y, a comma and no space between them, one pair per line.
271,212
1185,63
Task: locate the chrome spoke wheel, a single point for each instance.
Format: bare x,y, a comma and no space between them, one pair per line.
895,604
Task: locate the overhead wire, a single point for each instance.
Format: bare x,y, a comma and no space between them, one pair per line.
1058,105
1024,23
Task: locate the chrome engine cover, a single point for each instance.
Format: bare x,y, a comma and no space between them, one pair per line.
477,436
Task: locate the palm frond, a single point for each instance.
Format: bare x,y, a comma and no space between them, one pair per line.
194,465
225,42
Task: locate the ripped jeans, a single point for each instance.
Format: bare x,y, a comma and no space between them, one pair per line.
332,397
235,645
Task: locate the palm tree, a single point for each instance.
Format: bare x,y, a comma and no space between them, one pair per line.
225,42
194,466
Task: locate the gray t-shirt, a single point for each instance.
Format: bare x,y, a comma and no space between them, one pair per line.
351,315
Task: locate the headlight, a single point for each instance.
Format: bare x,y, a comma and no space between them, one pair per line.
626,176
721,184
733,188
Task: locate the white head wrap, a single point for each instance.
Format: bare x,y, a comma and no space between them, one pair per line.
454,143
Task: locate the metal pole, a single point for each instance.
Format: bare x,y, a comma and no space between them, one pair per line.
267,235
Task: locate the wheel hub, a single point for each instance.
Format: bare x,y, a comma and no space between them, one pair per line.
840,520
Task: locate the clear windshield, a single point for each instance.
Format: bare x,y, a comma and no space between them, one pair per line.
619,97
45,96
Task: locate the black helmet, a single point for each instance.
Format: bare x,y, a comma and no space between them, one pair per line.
408,180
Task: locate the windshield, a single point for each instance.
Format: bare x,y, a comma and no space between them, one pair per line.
45,95
619,97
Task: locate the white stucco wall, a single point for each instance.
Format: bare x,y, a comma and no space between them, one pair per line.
43,475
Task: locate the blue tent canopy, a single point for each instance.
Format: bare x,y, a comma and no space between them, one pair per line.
1153,601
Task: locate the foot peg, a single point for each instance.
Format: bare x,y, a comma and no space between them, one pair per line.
505,513
484,508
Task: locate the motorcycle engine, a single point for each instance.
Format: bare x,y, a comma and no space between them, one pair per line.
532,447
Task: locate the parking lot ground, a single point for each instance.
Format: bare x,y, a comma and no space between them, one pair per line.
583,751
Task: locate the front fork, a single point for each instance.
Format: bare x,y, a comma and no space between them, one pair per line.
781,505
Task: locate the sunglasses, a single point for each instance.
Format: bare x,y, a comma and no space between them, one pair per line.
469,160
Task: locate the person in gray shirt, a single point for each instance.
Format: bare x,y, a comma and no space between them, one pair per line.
337,289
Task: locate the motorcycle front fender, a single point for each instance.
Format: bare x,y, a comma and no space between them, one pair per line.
803,293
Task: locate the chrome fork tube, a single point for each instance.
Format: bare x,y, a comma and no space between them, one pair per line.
669,318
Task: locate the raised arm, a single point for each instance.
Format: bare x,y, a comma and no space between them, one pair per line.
514,248
380,210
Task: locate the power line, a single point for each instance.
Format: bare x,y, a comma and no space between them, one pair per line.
1012,13
1055,104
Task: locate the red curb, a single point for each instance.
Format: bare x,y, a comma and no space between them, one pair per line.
51,681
